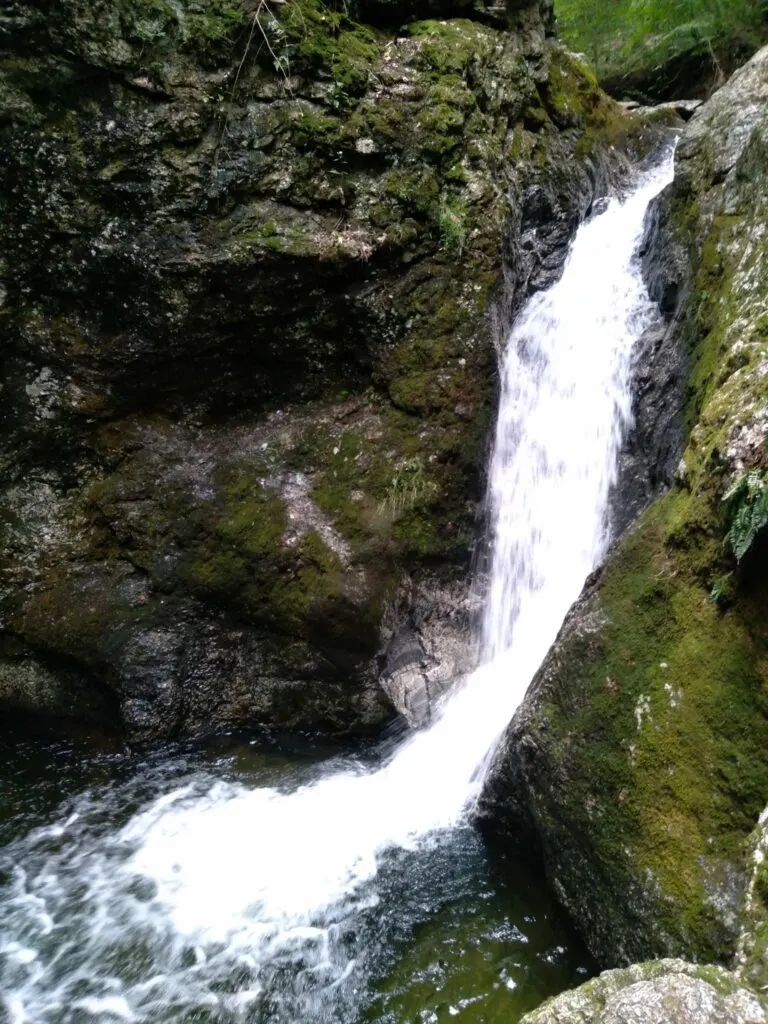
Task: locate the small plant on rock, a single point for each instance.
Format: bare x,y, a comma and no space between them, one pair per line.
747,508
452,225
408,487
722,591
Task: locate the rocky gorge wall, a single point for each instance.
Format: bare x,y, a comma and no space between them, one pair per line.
637,762
254,259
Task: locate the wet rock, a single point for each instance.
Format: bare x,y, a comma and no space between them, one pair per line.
651,453
685,109
430,650
661,992
59,691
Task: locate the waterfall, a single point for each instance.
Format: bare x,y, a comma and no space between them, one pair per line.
216,877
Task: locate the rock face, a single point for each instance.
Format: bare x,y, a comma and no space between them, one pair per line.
637,760
660,992
251,269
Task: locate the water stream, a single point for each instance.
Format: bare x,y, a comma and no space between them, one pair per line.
181,890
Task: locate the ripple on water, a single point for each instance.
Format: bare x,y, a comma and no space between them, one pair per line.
86,940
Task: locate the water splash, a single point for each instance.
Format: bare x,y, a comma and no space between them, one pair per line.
249,904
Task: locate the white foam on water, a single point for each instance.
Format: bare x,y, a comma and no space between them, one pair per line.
269,883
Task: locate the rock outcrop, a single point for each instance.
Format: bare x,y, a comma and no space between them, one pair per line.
254,258
638,758
659,992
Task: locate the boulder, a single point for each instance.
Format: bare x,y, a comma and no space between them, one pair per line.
658,992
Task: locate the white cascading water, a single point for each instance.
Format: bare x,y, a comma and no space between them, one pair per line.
268,879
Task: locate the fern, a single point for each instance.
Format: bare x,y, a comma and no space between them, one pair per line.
747,503
722,589
623,35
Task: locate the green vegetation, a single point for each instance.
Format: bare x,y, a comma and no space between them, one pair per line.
747,503
408,487
207,31
624,36
307,38
452,225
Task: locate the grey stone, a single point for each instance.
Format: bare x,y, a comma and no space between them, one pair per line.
658,992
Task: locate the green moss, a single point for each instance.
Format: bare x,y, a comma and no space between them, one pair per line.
418,392
313,39
441,127
416,190
210,28
711,317
239,556
573,98
418,534
236,550
383,505
755,967
395,496
672,720
440,112
206,30
448,48
222,573
350,488
388,123
252,518
310,130
279,235
727,280
152,22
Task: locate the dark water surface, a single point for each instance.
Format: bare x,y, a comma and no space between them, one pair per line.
451,932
